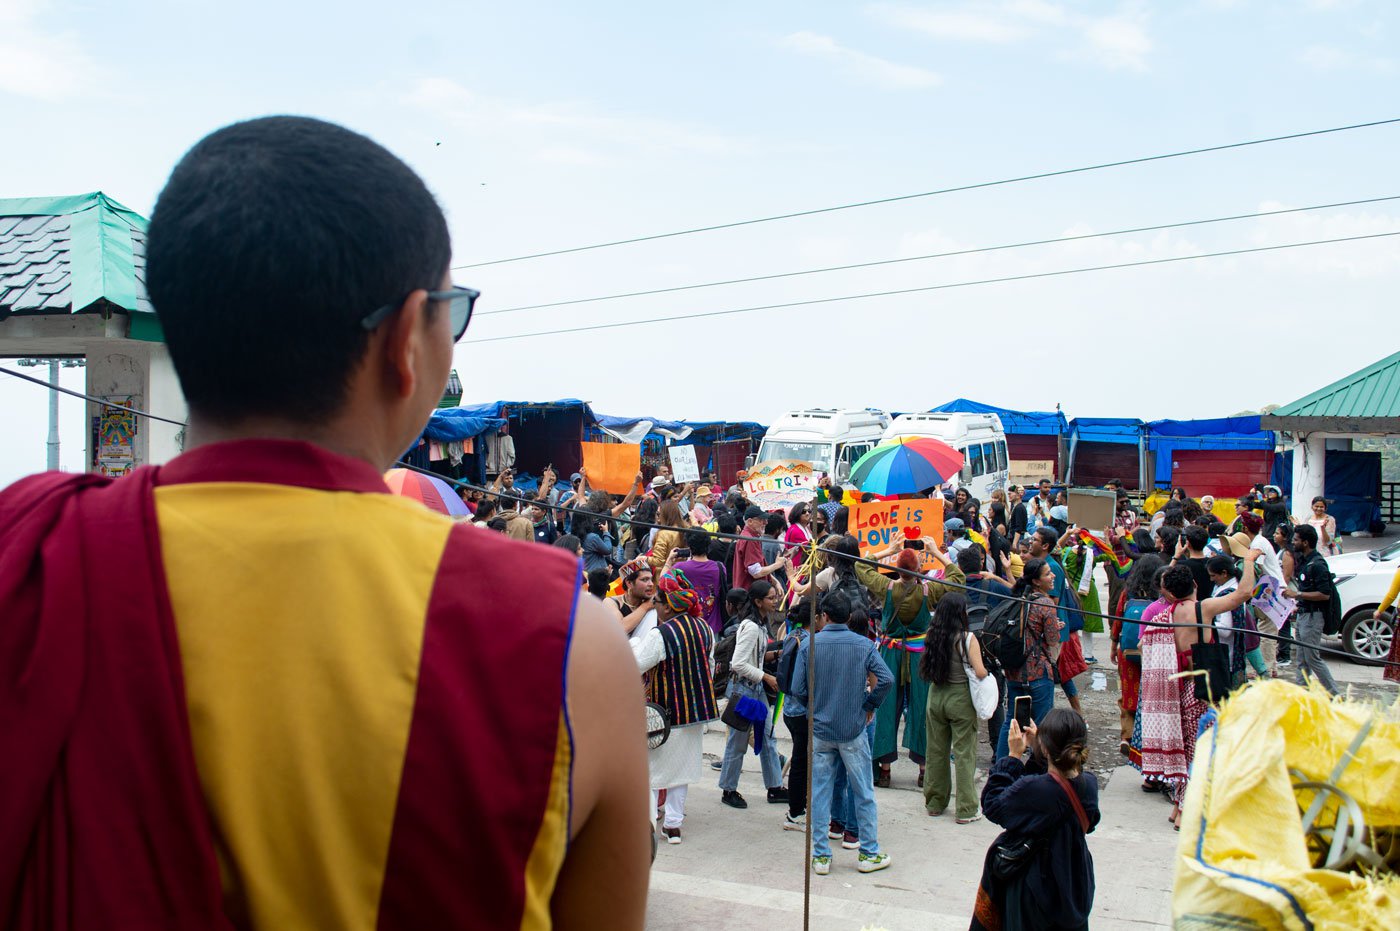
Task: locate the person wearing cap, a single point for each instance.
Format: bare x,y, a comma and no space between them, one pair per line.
749,566
955,531
659,487
677,654
703,512
1276,511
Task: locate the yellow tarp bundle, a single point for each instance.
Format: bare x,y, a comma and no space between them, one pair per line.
1224,508
1243,860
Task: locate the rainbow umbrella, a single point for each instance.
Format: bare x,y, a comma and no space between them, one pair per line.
906,465
432,493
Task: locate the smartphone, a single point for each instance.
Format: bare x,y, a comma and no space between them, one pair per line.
682,552
1023,711
913,544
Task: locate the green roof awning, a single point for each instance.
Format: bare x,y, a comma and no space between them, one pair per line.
1367,401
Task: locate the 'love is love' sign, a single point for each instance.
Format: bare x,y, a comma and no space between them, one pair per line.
875,523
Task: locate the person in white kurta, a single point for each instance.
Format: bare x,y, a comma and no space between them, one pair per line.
677,762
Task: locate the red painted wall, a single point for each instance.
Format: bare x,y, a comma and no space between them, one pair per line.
1220,472
1031,448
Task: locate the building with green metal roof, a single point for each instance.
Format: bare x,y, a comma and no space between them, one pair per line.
72,285
1365,403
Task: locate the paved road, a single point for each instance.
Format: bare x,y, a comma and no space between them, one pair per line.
739,868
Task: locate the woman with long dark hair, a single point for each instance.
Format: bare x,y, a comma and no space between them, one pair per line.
950,653
747,678
1139,591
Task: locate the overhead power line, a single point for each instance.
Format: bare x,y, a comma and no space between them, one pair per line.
934,287
949,190
734,537
935,255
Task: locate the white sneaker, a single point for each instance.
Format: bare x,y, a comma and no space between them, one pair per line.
870,862
794,824
821,865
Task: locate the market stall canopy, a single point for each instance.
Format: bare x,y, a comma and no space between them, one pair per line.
454,424
77,254
636,429
1035,423
1224,456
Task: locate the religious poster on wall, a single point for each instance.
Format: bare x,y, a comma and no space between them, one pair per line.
116,437
780,483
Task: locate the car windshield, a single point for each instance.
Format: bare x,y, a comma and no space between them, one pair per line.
1387,553
818,454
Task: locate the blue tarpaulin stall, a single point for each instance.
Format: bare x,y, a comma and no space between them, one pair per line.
1030,435
1105,448
1220,457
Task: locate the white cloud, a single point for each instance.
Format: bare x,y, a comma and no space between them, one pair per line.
37,63
1117,41
1331,58
868,68
567,133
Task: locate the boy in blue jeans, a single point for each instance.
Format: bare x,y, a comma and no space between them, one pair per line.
841,709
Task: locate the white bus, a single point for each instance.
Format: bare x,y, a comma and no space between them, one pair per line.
979,437
831,440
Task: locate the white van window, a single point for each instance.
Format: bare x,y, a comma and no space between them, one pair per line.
1001,456
989,456
818,454
974,460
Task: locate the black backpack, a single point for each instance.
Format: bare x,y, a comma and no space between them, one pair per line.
787,661
724,657
1004,635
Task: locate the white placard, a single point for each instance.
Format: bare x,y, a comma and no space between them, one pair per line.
683,467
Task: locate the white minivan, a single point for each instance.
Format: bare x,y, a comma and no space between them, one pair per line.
831,440
979,437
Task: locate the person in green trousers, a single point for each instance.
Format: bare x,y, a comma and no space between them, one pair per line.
951,653
904,621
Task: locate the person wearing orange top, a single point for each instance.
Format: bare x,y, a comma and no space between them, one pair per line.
250,688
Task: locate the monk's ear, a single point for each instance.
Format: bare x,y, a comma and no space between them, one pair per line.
404,342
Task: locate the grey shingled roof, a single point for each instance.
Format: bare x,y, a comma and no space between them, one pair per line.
64,255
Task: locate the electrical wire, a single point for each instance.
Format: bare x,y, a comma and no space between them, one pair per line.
522,499
88,397
933,255
926,288
949,190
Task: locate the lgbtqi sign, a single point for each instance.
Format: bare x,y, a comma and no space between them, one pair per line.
1270,603
780,483
874,524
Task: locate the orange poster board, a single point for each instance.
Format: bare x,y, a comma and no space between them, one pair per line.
613,467
874,524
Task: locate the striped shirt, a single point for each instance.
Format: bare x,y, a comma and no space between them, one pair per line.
841,703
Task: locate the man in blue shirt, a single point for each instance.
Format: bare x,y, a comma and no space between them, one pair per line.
841,708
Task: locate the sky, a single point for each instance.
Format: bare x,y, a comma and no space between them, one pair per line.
547,126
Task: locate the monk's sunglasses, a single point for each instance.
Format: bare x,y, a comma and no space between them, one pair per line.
460,302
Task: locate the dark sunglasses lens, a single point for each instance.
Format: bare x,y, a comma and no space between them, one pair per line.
462,313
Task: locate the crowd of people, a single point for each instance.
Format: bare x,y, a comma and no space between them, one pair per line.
901,653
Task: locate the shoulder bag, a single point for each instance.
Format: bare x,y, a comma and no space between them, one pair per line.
985,694
1214,660
1011,859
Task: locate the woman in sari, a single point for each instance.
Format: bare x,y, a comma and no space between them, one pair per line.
1169,713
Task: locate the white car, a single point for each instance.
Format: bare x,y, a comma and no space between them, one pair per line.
1362,580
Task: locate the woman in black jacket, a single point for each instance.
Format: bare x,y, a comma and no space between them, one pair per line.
1046,805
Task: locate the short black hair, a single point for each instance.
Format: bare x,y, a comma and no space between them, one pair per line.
1196,537
1048,536
272,239
598,581
568,542
970,559
699,542
1179,581
1307,533
835,606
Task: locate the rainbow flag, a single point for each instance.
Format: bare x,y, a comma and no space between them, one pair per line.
1102,546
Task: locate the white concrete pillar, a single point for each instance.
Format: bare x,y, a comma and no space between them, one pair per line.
1309,473
164,441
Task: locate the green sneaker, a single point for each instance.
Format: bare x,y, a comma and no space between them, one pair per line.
870,862
821,865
